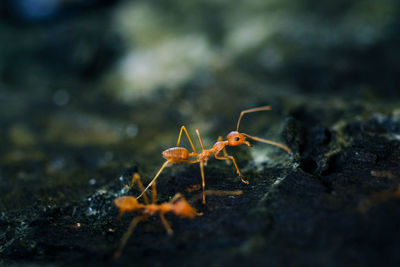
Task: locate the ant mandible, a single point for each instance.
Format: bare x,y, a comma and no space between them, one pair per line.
177,205
235,138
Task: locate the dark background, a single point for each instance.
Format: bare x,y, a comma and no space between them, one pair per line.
92,91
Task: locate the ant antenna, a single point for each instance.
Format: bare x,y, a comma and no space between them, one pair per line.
266,141
250,111
258,139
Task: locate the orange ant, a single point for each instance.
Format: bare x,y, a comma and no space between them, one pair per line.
177,205
235,138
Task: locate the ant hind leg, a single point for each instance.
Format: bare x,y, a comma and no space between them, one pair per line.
155,178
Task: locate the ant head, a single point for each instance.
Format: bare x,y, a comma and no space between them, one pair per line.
235,138
182,208
127,204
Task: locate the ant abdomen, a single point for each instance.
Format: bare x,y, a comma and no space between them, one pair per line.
176,154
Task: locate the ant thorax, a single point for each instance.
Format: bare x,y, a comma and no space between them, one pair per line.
219,146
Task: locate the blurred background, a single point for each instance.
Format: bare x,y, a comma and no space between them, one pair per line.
96,85
91,87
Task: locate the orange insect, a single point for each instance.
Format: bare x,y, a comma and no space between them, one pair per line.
235,138
177,205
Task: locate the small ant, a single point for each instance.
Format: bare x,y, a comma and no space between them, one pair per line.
177,205
235,138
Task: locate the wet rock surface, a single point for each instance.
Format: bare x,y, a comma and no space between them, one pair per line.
333,202
74,130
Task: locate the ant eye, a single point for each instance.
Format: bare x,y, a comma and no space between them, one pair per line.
236,138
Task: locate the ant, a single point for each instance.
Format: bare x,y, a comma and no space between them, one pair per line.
177,205
235,138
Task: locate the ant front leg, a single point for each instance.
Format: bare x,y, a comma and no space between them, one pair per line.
220,139
234,163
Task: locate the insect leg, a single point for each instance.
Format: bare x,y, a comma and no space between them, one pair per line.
155,177
203,183
153,193
166,224
120,213
224,151
136,177
234,163
183,128
128,233
176,197
200,140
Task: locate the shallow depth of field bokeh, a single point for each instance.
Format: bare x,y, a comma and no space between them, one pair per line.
92,90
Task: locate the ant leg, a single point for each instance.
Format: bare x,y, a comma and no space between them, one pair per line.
190,161
154,193
203,183
128,233
176,197
119,217
234,163
136,177
155,177
166,224
200,140
224,151
183,128
120,213
250,111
